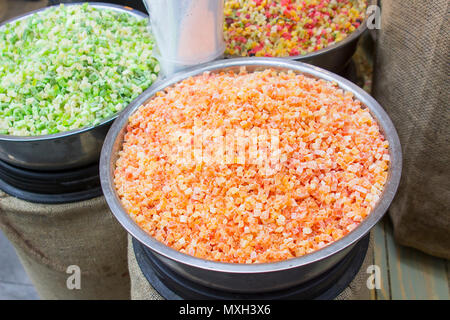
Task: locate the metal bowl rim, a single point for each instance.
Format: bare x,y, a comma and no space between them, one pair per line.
386,125
99,5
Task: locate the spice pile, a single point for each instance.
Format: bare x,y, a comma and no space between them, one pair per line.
71,66
281,28
334,163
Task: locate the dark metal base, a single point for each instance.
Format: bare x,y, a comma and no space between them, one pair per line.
172,286
50,187
351,72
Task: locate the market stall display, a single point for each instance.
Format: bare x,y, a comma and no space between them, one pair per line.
258,277
151,280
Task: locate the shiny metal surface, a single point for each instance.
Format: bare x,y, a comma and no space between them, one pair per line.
264,277
187,32
65,150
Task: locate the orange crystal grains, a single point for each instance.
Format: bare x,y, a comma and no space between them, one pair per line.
333,167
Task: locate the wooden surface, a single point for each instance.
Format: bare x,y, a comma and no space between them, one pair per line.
407,273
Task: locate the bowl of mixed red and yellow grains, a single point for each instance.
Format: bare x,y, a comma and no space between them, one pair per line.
320,32
251,175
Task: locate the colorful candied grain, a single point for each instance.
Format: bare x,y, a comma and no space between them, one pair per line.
333,167
281,28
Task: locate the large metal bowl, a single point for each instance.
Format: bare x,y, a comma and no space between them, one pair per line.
336,56
251,278
65,150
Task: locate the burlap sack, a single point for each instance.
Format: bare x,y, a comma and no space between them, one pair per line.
411,82
142,290
50,238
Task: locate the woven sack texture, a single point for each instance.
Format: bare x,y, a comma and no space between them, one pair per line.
50,238
411,81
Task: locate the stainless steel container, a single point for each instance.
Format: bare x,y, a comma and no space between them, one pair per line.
246,278
65,150
336,56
